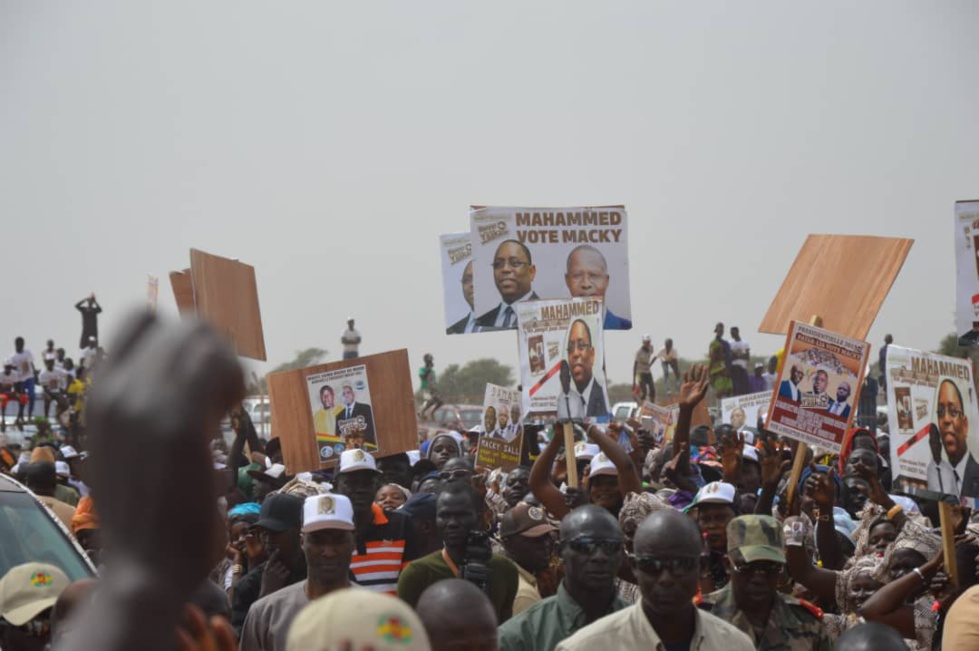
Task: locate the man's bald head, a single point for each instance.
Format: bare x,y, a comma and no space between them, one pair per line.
871,636
457,614
667,525
589,520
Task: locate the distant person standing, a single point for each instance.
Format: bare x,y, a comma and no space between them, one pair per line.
720,363
429,391
740,355
882,362
642,370
23,360
771,375
351,341
90,310
671,362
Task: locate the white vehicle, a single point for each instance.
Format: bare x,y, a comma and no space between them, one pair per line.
622,411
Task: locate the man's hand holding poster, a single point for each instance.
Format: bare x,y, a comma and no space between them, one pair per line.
932,414
562,355
817,386
525,254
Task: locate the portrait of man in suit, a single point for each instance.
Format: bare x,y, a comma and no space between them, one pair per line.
468,322
513,273
355,415
953,429
587,276
839,407
789,389
581,361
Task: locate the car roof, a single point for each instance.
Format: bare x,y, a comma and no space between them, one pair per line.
10,485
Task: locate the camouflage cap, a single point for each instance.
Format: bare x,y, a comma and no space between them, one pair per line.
755,538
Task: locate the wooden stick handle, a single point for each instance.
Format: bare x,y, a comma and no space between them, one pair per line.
948,541
801,451
569,454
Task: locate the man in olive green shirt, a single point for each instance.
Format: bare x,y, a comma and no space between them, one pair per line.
591,550
456,515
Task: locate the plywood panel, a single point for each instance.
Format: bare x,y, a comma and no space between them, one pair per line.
183,291
842,278
226,296
391,397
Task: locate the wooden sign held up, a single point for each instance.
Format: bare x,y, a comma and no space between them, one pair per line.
224,293
842,278
366,402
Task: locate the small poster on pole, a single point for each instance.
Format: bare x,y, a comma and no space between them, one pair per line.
742,411
967,272
817,386
562,355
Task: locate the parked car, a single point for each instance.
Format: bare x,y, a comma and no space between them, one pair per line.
622,411
459,417
30,533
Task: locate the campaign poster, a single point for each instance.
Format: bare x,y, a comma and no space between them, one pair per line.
967,272
526,254
343,417
932,414
562,358
501,413
817,387
457,283
658,420
742,411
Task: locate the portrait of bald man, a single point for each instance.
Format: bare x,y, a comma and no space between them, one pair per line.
587,276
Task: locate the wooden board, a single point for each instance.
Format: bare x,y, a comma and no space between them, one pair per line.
226,296
391,398
842,278
183,291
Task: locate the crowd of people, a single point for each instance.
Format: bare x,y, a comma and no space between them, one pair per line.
695,543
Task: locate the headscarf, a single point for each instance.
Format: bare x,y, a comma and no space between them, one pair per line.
636,507
807,471
871,565
245,508
404,491
85,517
848,446
448,435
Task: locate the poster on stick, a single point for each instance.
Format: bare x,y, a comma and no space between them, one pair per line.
365,403
742,411
932,414
524,254
457,283
967,272
562,356
659,420
501,413
817,386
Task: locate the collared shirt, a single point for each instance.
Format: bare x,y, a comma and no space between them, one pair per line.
940,477
267,623
570,405
791,625
501,313
630,629
542,626
432,568
527,592
959,472
384,549
644,359
471,323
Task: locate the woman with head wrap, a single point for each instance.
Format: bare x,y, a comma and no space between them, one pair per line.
442,448
636,507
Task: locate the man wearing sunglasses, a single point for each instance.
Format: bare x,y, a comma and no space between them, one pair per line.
591,550
751,600
667,562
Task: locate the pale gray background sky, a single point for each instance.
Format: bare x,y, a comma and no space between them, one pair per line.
329,144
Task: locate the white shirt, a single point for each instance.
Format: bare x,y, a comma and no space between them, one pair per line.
87,357
940,477
23,365
570,405
53,380
9,380
501,313
350,340
471,324
769,379
739,353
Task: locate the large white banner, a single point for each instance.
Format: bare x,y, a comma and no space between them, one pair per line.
562,355
933,415
525,254
967,266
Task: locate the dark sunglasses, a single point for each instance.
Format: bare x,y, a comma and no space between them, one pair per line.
589,546
759,567
655,565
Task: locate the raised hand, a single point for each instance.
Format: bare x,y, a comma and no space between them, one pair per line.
824,491
696,379
732,455
670,471
773,466
877,493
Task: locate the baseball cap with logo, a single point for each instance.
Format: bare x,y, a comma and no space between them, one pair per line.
272,472
525,520
361,618
716,492
602,465
327,511
280,512
584,450
28,590
352,460
753,538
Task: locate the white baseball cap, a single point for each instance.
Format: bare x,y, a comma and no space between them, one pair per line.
414,456
61,468
584,450
352,460
716,492
327,511
68,452
647,338
750,453
601,465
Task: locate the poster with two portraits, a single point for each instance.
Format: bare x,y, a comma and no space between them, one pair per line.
933,418
512,255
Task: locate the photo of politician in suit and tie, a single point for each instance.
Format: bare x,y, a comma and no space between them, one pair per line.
789,389
840,406
959,475
581,361
468,322
354,416
587,276
513,273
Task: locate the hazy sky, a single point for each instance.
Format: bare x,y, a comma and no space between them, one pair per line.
329,144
